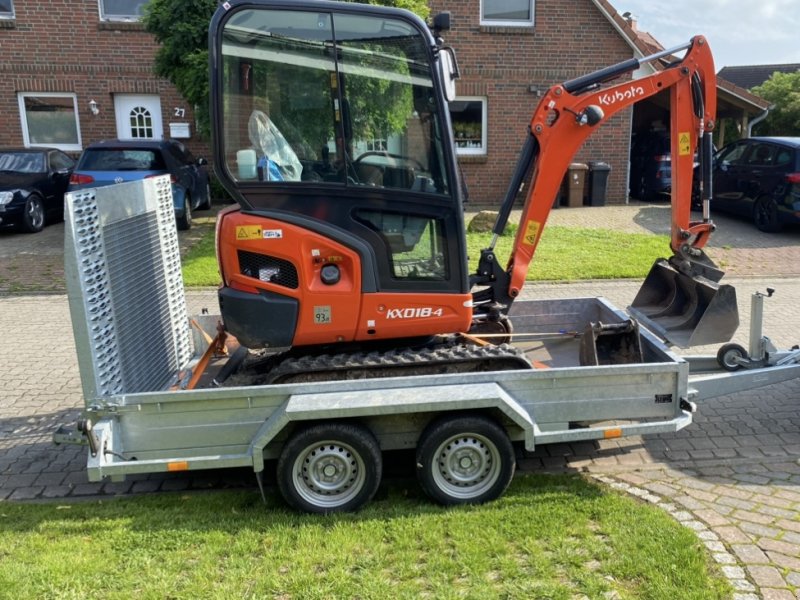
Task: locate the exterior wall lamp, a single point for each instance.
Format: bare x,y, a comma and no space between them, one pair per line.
93,107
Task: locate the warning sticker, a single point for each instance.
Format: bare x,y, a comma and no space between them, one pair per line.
531,231
273,234
248,232
684,144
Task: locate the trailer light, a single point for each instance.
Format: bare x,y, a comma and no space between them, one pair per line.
181,465
612,433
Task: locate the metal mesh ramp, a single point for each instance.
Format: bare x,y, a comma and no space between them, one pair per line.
125,288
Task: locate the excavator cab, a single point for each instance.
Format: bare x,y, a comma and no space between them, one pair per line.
332,133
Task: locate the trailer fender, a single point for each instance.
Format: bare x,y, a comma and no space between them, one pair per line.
370,403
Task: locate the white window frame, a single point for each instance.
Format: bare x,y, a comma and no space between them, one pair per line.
482,151
511,22
115,16
23,115
4,14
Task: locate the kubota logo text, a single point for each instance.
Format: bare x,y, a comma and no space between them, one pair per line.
620,95
413,313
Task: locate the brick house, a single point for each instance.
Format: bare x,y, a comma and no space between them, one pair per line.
77,71
509,51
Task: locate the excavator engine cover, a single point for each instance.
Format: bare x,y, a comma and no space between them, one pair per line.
686,309
611,344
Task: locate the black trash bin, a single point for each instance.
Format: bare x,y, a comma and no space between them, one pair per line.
598,183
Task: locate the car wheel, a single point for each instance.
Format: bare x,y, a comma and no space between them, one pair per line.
330,467
185,222
464,459
33,215
765,215
206,204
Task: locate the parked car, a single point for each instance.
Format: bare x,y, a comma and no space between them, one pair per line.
32,186
115,161
759,178
651,166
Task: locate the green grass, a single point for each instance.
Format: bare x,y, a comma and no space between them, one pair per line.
551,536
569,253
564,254
200,263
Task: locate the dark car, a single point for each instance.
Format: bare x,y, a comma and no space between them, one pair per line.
115,161
651,166
32,186
759,178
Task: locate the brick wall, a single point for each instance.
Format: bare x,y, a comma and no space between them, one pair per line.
569,38
62,46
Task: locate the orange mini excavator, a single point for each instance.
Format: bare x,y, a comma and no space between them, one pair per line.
346,255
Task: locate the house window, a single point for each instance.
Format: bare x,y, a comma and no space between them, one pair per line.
121,10
512,13
6,9
50,119
141,123
469,125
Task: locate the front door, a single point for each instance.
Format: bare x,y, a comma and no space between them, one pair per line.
138,117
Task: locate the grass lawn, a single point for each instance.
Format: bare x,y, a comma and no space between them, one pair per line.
564,254
550,536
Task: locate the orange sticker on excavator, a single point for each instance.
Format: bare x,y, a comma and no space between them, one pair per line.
684,144
531,231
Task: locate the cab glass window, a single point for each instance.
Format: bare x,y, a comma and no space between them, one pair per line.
347,101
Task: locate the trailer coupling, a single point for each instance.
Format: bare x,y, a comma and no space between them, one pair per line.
82,435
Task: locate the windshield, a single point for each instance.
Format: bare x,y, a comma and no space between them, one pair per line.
22,162
345,100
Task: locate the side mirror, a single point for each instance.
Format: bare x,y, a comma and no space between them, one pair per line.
449,71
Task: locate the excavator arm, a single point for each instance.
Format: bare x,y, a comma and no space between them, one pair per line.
566,116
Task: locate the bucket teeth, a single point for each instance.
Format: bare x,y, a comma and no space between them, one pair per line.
686,309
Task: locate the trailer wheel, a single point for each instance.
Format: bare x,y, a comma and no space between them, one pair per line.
330,467
464,459
727,355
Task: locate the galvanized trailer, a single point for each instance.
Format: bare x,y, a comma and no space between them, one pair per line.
138,349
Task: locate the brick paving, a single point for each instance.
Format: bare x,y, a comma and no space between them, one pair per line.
732,476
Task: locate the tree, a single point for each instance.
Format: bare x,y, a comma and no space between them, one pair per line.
181,27
783,90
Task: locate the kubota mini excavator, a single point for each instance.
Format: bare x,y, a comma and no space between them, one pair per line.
346,257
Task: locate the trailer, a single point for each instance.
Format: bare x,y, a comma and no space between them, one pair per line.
153,401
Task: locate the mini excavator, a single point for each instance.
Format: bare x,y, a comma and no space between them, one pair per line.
345,255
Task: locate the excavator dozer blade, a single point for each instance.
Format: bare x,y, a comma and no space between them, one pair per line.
686,309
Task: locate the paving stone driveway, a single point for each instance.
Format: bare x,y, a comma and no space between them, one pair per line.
732,476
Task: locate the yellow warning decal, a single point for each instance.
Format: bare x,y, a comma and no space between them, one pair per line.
684,144
531,231
248,232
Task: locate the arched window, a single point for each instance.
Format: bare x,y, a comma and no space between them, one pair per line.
141,123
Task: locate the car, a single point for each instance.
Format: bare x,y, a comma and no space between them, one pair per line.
32,186
116,161
759,178
651,166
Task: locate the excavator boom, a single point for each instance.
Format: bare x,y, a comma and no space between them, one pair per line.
681,294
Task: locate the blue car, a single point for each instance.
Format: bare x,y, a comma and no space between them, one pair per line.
116,161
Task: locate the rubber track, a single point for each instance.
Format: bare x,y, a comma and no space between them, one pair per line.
394,363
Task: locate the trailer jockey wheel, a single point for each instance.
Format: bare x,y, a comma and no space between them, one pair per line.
464,459
330,467
728,354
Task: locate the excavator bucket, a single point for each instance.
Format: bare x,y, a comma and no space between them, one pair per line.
686,309
611,344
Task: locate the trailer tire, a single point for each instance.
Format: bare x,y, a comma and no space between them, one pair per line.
464,459
728,353
330,467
